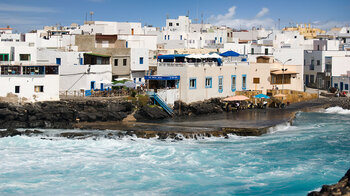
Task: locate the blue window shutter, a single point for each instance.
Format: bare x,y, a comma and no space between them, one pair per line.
221,84
58,61
244,82
233,85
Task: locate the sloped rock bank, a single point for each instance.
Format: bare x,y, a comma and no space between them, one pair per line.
341,188
61,114
150,113
210,106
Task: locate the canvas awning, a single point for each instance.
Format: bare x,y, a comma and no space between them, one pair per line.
162,77
100,55
172,56
229,54
237,98
279,72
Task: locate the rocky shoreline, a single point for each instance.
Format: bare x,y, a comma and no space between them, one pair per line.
106,114
62,114
341,188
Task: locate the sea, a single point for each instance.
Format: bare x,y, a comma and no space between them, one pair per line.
290,160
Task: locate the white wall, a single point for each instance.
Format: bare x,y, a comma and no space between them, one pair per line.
27,83
136,54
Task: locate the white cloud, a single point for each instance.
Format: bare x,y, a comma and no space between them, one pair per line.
228,19
263,12
327,25
23,8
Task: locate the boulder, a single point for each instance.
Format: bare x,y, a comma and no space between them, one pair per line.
9,133
150,113
341,188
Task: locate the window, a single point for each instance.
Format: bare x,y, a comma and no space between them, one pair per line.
92,85
39,89
168,37
256,80
10,70
105,44
140,79
126,44
58,61
277,79
221,84
208,82
233,83
266,51
252,50
193,83
318,47
220,39
335,85
244,82
24,57
346,86
295,37
4,57
81,61
170,24
33,70
177,24
141,60
124,62
115,62
165,37
318,62
17,89
312,78
312,66
180,37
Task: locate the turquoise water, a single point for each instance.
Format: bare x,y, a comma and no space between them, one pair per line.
291,160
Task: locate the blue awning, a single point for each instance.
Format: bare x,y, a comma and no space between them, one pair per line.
229,53
172,56
162,77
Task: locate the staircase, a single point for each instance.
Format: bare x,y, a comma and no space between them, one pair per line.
161,102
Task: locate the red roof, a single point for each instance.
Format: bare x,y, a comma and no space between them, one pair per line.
5,28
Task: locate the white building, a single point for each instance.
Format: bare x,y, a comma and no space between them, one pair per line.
29,83
198,81
320,66
79,71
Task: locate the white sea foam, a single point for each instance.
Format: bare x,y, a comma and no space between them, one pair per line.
281,127
337,110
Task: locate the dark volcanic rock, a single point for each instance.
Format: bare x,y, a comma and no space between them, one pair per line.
9,133
62,114
341,188
150,113
203,107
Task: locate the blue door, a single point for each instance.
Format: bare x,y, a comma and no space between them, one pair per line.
92,85
101,87
341,86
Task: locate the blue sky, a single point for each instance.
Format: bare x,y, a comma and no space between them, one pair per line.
24,15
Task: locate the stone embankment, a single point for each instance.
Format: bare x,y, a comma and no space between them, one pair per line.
61,114
341,188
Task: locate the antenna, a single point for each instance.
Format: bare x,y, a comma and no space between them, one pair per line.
167,16
86,16
188,13
279,24
91,14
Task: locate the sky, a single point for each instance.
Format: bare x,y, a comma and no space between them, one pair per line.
26,15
